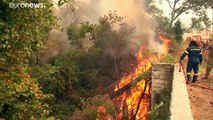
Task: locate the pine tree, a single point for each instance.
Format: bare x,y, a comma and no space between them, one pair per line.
178,31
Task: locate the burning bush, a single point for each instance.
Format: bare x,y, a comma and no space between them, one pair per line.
97,107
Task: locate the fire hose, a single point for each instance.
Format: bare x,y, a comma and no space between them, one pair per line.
184,72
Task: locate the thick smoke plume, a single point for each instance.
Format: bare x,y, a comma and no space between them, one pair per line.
133,12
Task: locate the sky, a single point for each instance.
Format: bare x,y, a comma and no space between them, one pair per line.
185,18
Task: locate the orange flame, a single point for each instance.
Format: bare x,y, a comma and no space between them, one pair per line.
166,42
130,98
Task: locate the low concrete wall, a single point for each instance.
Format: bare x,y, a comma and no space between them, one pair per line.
169,87
162,76
180,103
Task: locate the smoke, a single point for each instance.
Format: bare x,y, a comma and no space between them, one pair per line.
133,12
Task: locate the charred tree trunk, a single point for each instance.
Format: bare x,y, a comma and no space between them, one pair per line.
142,95
125,110
145,75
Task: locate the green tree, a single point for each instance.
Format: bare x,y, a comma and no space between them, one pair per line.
113,42
178,8
60,80
196,7
157,14
78,33
178,31
70,79
22,33
108,41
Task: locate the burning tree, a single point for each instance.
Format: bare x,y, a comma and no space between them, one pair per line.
132,93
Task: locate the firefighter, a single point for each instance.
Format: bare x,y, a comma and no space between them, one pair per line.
210,59
195,58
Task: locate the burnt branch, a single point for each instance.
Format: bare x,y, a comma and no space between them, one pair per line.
125,110
145,75
142,95
130,70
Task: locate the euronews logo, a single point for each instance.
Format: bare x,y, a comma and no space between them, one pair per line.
26,5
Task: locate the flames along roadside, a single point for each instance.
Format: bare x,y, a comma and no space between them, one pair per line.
132,94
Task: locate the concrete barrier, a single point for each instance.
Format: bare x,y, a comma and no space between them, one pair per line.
180,103
162,76
169,87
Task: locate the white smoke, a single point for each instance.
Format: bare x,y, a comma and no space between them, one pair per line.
133,12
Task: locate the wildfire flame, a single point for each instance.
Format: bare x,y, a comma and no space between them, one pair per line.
166,43
128,101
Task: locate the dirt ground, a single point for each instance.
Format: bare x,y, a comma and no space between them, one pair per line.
200,97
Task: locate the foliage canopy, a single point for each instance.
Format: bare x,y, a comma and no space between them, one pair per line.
23,32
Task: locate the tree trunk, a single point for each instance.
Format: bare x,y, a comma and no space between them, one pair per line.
142,96
125,111
145,75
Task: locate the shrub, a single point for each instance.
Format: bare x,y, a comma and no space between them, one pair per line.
169,59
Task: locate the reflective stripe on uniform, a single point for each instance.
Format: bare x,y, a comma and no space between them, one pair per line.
188,73
186,52
195,74
200,53
195,49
